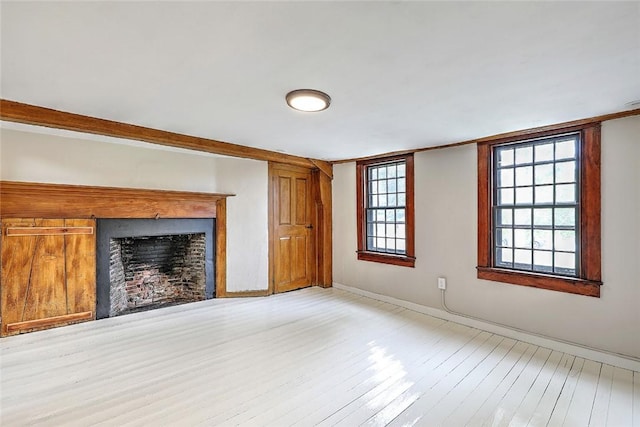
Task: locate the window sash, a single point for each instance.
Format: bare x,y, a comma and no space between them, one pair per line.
587,280
401,198
385,210
514,256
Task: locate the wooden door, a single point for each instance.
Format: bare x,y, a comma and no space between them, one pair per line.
48,273
293,258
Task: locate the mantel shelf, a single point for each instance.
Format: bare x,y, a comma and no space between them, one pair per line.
27,199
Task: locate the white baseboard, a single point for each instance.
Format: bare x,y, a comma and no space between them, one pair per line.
575,349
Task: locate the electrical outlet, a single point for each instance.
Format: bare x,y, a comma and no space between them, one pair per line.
442,283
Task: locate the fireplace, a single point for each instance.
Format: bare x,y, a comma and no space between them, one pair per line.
154,271
144,264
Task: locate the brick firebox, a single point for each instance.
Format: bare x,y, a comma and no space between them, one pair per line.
145,264
156,271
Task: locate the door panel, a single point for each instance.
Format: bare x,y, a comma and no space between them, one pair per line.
299,266
45,296
17,259
283,273
284,199
80,268
48,273
292,228
301,202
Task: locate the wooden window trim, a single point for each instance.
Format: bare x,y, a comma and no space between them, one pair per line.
589,280
409,259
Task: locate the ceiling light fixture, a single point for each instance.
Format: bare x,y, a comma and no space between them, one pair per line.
308,100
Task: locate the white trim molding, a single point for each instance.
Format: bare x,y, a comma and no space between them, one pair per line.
575,349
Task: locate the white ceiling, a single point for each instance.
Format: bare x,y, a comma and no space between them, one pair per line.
401,74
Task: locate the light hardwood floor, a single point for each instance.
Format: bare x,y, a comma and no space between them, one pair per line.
309,357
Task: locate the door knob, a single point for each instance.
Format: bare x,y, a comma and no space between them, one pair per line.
309,226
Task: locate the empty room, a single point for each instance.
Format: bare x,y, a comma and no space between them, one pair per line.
332,213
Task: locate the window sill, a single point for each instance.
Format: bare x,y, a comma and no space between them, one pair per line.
403,261
555,283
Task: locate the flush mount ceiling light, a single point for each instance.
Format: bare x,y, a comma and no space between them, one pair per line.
308,100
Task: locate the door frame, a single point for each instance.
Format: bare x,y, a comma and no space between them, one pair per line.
320,220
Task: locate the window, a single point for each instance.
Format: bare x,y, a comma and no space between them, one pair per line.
539,210
385,210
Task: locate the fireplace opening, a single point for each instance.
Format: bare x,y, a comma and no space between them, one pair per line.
150,272
143,264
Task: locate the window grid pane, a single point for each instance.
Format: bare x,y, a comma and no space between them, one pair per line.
537,183
385,210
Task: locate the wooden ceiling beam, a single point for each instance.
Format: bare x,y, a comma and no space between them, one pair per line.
325,167
18,112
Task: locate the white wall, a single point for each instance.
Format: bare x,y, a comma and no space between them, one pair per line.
72,158
446,245
247,222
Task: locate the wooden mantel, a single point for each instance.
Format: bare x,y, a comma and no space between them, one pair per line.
37,200
26,199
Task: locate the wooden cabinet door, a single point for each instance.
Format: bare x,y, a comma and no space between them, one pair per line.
293,250
48,273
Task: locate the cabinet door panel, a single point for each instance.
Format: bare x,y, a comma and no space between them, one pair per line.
48,273
80,268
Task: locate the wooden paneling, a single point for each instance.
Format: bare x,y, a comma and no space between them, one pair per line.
46,278
32,325
242,294
12,111
321,184
301,207
60,201
590,221
221,248
284,198
80,253
300,254
284,262
484,207
17,260
77,201
46,286
47,231
325,167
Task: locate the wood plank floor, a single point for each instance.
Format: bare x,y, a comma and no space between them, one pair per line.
311,357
